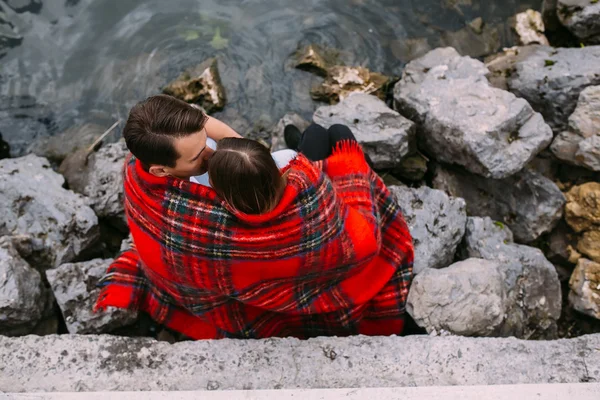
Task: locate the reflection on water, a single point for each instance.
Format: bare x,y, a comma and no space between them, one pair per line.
69,62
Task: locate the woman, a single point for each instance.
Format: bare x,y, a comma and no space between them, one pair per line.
316,248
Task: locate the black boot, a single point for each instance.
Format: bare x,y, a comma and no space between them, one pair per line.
292,136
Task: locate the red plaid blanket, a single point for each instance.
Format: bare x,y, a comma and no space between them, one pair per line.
333,258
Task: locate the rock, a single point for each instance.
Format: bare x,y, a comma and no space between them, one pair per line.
560,243
549,15
126,244
467,298
463,120
475,40
408,49
74,286
23,120
386,136
22,294
580,144
105,183
585,288
582,18
550,79
4,149
201,85
316,59
413,167
529,203
276,132
436,223
582,211
529,28
589,245
531,282
33,202
341,81
57,148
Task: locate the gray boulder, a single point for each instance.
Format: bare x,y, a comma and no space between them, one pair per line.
468,298
580,144
436,223
531,281
74,286
58,147
582,18
105,183
550,79
464,120
23,298
34,203
528,202
386,136
276,132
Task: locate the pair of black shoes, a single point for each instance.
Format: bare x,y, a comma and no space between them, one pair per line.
292,136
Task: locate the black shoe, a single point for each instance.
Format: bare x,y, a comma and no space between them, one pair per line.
292,136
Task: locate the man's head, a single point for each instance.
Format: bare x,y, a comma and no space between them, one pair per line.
168,137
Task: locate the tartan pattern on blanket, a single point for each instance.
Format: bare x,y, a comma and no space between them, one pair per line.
333,258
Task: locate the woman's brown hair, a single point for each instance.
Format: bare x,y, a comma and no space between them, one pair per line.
244,174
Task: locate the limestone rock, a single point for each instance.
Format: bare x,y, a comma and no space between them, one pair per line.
585,288
201,85
468,298
22,295
342,80
436,223
316,59
529,28
74,286
464,120
276,132
105,183
580,144
529,203
57,148
413,167
386,136
582,211
582,18
60,223
550,79
549,14
531,281
476,40
589,245
408,49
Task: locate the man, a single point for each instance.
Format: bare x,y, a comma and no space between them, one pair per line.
334,257
171,138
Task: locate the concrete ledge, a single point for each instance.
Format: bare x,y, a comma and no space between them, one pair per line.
581,391
100,363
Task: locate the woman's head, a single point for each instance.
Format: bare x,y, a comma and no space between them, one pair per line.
244,174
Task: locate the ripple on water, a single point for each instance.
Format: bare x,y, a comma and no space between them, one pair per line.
91,60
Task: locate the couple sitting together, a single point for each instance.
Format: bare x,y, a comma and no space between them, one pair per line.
307,243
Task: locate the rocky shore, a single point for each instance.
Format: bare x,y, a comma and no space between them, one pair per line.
495,164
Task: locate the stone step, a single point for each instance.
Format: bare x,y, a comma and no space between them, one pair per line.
579,391
73,363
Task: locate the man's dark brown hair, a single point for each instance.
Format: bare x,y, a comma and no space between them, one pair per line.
243,173
155,122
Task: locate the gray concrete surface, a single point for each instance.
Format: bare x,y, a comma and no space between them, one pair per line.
581,391
108,363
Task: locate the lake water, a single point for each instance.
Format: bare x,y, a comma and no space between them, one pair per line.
69,62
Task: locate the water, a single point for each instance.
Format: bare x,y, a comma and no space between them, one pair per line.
68,62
